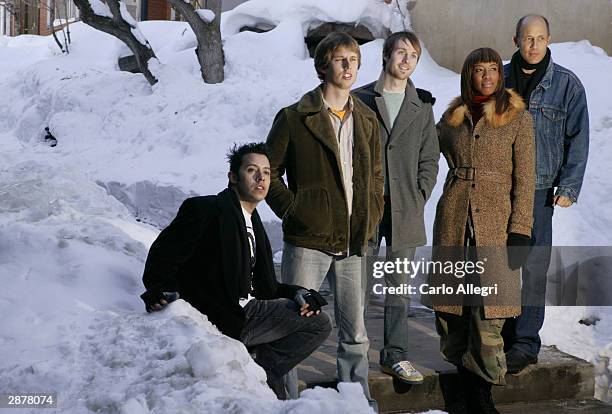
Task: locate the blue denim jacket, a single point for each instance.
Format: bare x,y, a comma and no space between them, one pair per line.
561,120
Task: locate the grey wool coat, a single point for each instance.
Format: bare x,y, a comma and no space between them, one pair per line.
498,191
410,155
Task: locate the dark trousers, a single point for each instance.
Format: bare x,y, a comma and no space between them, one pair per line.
281,338
395,333
522,333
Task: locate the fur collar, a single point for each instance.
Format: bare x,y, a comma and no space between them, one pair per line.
457,111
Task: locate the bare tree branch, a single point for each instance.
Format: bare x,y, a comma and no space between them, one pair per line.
117,26
51,12
66,33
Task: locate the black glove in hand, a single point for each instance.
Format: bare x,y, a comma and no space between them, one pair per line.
518,249
155,300
312,298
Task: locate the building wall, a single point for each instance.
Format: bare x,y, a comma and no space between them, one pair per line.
45,23
158,10
161,10
451,29
28,14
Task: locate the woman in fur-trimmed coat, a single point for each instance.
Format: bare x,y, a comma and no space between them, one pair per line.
487,138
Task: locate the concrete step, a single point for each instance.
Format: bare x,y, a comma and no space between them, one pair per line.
556,377
589,406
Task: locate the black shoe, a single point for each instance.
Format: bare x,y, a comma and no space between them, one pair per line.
278,386
456,403
517,361
457,407
480,400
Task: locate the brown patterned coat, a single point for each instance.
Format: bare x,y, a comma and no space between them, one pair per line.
501,151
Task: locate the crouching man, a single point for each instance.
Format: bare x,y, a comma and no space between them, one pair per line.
216,255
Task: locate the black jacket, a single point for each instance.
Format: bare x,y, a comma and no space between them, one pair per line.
204,255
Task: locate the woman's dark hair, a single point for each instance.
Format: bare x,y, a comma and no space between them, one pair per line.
484,55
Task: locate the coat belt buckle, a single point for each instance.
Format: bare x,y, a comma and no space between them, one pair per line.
467,174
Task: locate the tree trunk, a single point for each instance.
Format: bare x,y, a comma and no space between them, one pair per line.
118,27
210,48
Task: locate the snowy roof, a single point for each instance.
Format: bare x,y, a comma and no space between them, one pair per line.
376,15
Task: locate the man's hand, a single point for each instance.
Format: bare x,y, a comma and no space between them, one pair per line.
562,201
310,302
305,311
156,301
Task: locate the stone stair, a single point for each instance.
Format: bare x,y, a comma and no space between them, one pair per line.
559,383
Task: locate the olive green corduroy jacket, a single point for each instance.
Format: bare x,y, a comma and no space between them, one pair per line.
312,204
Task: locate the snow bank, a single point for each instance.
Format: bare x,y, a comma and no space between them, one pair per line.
66,249
586,332
375,15
73,323
22,51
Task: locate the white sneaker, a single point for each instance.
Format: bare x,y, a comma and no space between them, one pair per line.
403,371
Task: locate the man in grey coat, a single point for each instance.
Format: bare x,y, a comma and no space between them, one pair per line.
410,163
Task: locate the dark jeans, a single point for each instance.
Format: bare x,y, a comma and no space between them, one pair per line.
522,333
395,333
281,338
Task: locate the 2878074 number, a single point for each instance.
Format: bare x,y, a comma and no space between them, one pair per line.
29,400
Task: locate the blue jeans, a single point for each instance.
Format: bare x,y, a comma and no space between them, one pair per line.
523,332
281,338
308,268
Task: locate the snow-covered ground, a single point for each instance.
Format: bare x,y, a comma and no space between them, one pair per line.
72,252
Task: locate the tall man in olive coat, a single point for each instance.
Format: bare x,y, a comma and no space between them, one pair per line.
328,144
410,163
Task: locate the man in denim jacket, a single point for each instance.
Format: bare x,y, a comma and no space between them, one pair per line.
556,99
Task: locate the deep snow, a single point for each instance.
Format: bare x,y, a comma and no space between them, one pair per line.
72,253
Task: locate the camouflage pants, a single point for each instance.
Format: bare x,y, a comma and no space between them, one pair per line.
473,342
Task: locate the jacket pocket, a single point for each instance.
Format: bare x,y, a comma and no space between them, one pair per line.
417,195
310,213
550,143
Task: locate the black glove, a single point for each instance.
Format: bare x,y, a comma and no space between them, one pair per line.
154,297
518,249
311,297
